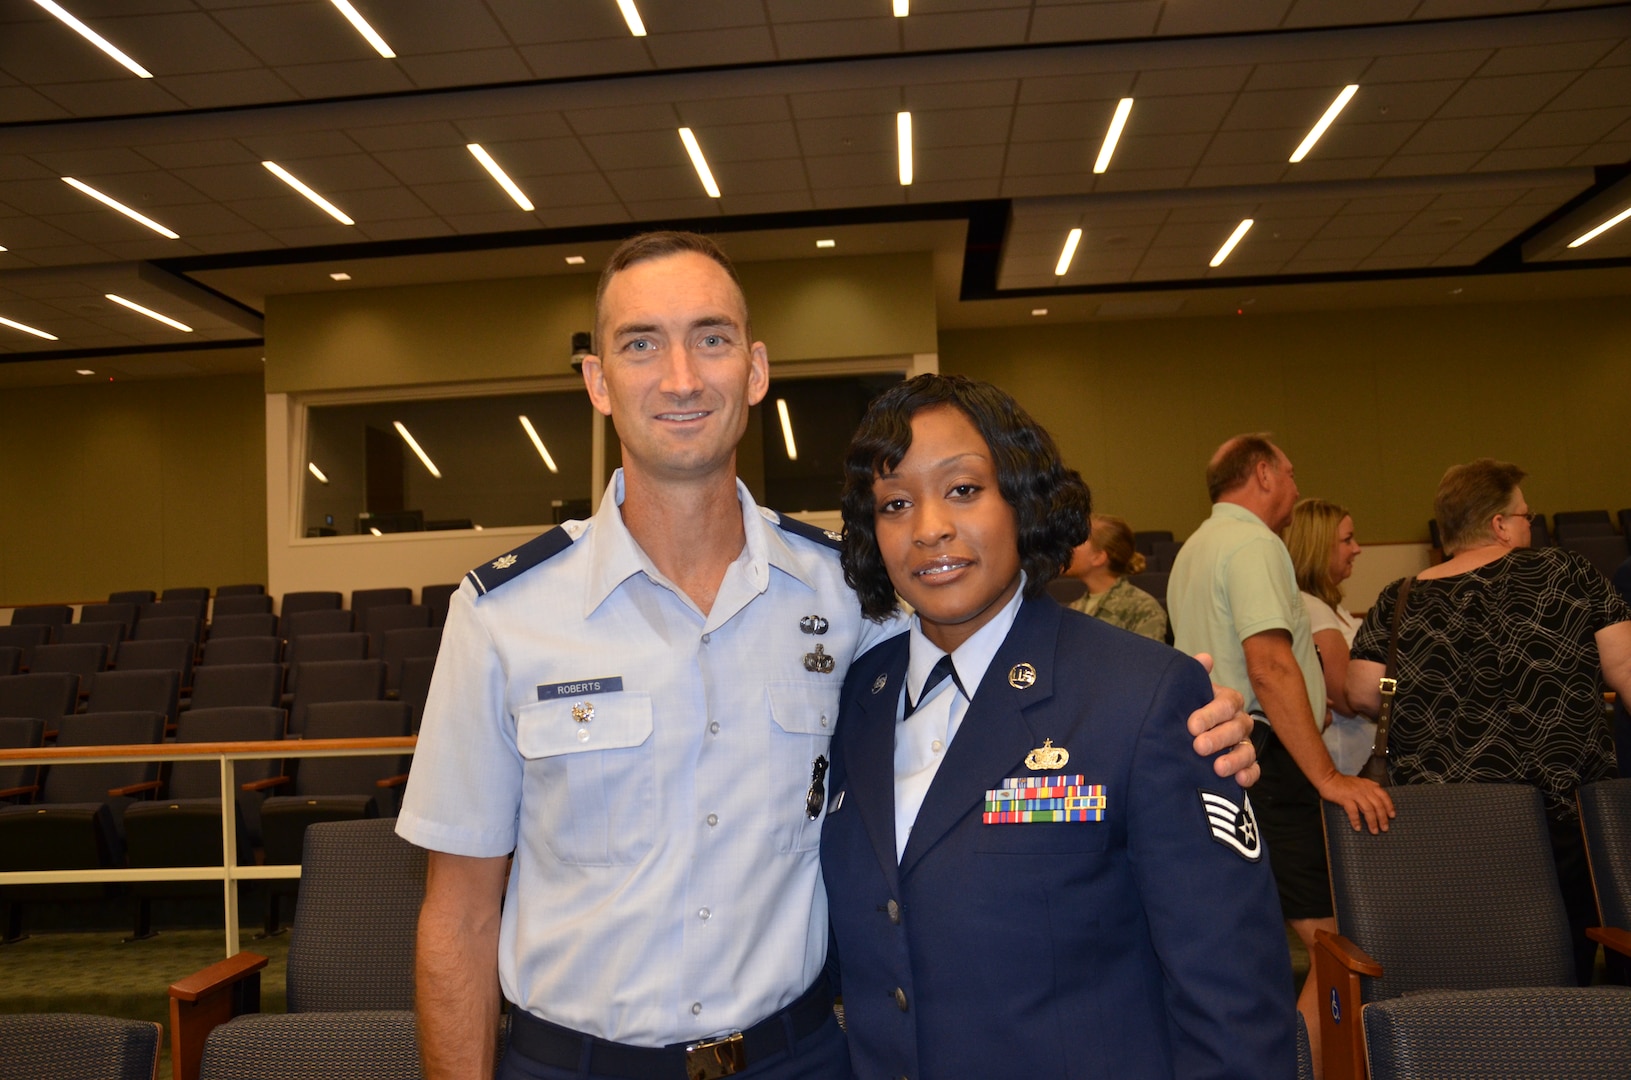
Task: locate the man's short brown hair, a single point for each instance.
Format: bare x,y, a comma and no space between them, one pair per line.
1235,462
658,245
1468,499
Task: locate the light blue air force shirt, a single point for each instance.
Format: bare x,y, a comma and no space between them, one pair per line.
649,767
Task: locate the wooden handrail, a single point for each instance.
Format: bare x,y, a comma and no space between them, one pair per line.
183,751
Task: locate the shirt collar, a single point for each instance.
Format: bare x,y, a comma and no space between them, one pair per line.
970,659
615,556
1238,513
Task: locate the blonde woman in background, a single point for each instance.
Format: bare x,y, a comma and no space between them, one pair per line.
1102,564
1323,549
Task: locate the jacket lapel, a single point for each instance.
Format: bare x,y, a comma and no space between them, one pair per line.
870,759
994,736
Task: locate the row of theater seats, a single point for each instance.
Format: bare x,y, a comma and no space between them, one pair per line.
1604,540
323,682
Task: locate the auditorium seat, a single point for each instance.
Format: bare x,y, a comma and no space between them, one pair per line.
400,645
42,615
363,599
1066,590
11,659
239,590
381,619
77,1046
156,690
252,624
17,781
171,627
1161,557
110,612
1605,817
1144,540
42,696
106,634
166,654
1606,552
415,687
25,636
319,681
437,597
248,604
1590,520
309,647
221,685
83,661
317,621
1625,523
1153,582
170,609
133,596
1539,534
309,601
243,650
197,593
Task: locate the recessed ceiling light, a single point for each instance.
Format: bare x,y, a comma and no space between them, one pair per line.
340,275
413,444
1318,129
109,201
787,429
902,8
1229,244
375,531
1067,253
94,38
1112,136
149,312
501,176
700,163
826,243
538,444
631,16
903,141
289,178
1586,238
3,247
311,467
1039,311
25,328
574,260
84,371
362,27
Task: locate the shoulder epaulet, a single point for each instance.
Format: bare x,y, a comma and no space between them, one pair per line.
824,537
489,576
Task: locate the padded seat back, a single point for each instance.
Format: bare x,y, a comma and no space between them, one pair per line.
20,733
253,624
27,637
437,598
242,723
165,654
334,680
381,619
1605,814
1459,893
321,621
352,720
45,696
82,660
239,590
313,1046
363,599
89,782
43,615
148,691
198,593
110,612
173,627
242,604
175,609
75,1046
243,650
11,660
133,596
216,685
1605,552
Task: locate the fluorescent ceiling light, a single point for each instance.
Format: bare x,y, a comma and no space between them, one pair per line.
549,462
25,328
94,38
340,275
1039,311
819,244
289,178
149,312
903,141
105,200
1583,238
3,248
574,260
84,371
1318,129
787,429
362,27
901,8
699,163
311,467
1229,244
501,176
430,465
1067,253
1112,136
632,17
375,531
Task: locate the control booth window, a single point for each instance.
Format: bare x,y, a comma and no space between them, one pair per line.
804,426
468,462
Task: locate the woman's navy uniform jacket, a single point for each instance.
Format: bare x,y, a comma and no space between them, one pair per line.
1145,944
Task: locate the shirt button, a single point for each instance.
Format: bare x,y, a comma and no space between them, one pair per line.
823,720
583,734
894,912
900,998
713,728
713,819
704,914
938,746
696,1008
707,638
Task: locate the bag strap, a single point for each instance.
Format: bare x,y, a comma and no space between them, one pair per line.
1389,683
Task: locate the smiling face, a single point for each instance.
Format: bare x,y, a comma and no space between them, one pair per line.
1344,551
676,372
947,536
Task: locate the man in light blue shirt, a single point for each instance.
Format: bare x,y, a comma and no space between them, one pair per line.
639,707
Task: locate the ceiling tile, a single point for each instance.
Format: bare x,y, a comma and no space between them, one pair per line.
1552,56
406,229
541,157
1474,134
759,177
561,217
423,27
720,111
742,45
107,161
431,165
396,204
218,89
836,37
1121,179
19,104
1329,74
1051,158
1095,86
847,135
965,30
203,152
346,78
961,127
527,21
1341,12
283,35
957,163
933,191
226,182
852,171
463,197
1600,88
1206,176
1184,18
671,209
648,184
869,101
1168,82
1428,164
1277,109
407,136
1094,22
496,222
287,147
1151,152
1579,127
635,150
1252,147
1408,66
41,51
1349,225
672,18
119,97
1506,95
473,68
932,97
778,202
1176,115
876,195
1538,157
575,59
1062,120
573,189
657,116
178,43
513,128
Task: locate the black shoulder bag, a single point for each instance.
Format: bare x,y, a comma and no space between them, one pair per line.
1376,768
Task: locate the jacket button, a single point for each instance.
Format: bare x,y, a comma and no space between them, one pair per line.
900,998
894,912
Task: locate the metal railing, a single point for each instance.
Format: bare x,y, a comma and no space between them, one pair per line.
229,873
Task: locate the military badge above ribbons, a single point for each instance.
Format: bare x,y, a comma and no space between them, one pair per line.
1023,800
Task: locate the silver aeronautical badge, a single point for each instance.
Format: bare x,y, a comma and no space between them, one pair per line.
819,662
813,624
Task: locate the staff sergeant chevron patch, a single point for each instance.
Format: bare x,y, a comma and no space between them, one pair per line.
1233,826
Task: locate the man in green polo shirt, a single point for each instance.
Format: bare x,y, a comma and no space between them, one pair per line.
1233,593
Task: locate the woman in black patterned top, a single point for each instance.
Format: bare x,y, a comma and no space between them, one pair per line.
1503,653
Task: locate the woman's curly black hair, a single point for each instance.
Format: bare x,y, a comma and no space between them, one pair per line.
1051,503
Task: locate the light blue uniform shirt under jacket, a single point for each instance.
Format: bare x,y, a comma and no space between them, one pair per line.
666,885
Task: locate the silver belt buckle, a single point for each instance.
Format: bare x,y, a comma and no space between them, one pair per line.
712,1058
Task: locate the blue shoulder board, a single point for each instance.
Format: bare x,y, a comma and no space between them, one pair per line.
810,532
490,576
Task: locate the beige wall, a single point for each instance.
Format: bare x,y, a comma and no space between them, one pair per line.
1372,406
131,485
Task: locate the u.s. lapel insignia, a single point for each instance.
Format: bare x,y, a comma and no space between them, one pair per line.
1235,827
819,662
504,562
583,712
1047,756
879,683
813,624
1021,676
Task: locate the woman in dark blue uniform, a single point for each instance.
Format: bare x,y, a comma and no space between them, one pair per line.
1031,872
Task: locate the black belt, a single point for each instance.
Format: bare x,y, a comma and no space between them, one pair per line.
725,1055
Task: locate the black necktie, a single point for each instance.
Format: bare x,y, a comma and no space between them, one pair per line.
937,675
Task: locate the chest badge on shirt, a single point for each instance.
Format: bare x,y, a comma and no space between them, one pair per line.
1235,827
1023,800
819,662
1021,676
1047,756
583,712
879,683
813,624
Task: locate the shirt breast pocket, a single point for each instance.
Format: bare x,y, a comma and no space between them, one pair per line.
803,714
592,777
1047,838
